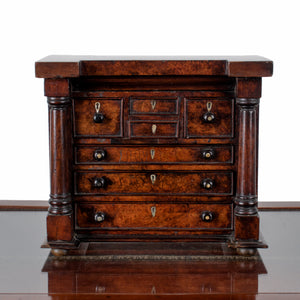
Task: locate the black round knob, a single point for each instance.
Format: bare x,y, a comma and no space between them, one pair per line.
98,118
99,182
208,183
208,154
207,216
99,216
99,154
209,117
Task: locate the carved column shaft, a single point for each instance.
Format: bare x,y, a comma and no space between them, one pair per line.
246,190
248,92
60,155
60,219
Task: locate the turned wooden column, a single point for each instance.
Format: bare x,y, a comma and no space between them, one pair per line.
60,212
248,92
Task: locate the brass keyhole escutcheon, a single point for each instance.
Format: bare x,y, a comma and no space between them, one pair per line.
209,106
153,211
154,127
98,116
153,104
97,107
153,178
152,153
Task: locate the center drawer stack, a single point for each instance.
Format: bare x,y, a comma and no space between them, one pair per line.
153,158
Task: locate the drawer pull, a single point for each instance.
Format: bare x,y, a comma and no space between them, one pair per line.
207,216
99,154
98,117
99,216
153,178
154,127
208,117
208,183
99,182
208,154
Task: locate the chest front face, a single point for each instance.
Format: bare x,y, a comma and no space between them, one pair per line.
153,158
160,146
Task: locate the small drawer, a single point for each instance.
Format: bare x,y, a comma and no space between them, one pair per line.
98,117
154,155
153,129
153,106
209,118
154,216
153,183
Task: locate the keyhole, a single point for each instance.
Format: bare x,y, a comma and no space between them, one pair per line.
97,107
153,178
153,211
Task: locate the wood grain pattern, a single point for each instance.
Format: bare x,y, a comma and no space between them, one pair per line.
196,127
140,129
75,66
158,118
84,110
176,183
167,216
161,155
154,106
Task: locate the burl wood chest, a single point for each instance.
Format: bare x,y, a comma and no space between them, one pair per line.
153,149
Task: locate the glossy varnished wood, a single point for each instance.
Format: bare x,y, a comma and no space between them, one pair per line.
175,183
221,126
168,133
42,205
55,278
155,155
164,216
75,66
84,111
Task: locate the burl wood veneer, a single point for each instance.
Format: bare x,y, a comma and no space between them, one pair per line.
153,149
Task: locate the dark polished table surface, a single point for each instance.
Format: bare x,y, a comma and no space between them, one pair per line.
28,272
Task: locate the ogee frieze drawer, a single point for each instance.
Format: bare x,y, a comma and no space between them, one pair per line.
98,117
154,216
154,155
209,118
153,106
155,183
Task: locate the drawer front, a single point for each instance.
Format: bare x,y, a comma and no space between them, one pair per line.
153,106
209,118
154,216
187,283
154,155
84,113
156,183
153,129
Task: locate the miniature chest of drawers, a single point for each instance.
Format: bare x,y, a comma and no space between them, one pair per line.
153,149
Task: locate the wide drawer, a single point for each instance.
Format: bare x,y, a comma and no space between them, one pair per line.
209,118
111,110
150,106
154,216
154,183
154,155
153,129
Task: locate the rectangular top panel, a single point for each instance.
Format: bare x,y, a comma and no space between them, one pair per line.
68,66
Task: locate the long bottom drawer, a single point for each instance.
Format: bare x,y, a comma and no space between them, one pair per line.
152,216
